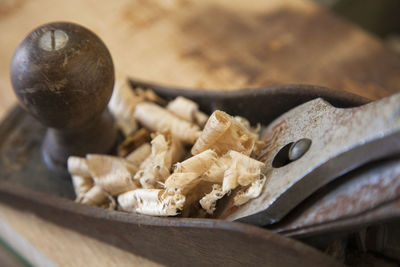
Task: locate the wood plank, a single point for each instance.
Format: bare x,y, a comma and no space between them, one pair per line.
45,244
21,245
8,259
218,44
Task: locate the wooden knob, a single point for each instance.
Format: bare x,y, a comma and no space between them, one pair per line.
63,75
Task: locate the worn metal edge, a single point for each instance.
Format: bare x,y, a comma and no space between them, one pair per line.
388,211
345,98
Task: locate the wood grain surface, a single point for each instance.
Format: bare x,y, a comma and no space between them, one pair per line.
45,244
226,44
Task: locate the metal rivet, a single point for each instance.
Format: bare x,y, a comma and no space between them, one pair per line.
299,148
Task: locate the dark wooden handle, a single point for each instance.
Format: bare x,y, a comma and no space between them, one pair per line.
63,75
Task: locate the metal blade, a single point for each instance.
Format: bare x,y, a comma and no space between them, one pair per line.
342,140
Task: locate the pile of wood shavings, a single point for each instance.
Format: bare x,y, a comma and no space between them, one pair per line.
155,174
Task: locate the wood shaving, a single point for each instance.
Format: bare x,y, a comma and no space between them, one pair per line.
253,191
78,166
199,163
200,119
149,176
113,174
243,170
188,110
159,119
149,95
133,141
209,201
165,151
139,155
245,123
183,181
157,202
188,177
80,175
223,133
122,106
236,169
81,185
215,173
96,196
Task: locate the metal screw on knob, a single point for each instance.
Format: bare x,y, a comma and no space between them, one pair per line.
53,40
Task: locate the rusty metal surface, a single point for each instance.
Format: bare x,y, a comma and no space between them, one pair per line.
366,196
342,139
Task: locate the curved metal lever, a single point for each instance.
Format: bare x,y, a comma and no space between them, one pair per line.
342,140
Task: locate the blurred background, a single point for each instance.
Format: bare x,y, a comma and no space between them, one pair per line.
379,17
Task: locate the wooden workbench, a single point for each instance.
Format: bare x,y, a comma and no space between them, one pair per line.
204,44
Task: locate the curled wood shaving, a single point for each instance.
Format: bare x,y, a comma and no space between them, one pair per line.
133,141
235,169
215,173
187,110
165,151
156,167
199,163
142,180
188,174
157,202
230,179
188,178
245,123
81,178
149,95
159,119
122,106
223,133
78,166
200,118
183,181
253,191
183,108
176,149
96,196
81,185
209,201
113,174
139,155
245,169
